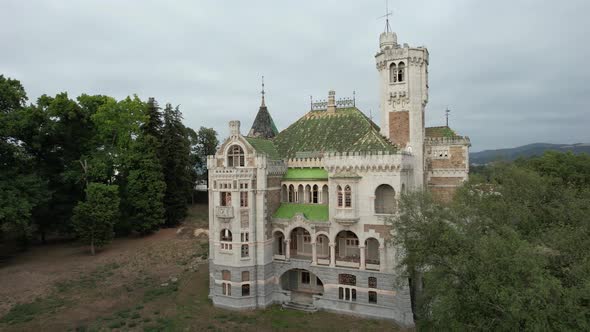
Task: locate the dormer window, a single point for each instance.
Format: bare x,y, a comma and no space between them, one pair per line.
235,156
392,73
401,72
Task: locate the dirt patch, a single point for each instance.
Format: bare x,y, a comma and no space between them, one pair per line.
153,283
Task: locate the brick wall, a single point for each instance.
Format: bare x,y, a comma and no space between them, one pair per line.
456,159
399,128
445,181
443,194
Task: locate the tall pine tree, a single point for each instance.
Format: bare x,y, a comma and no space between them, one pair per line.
144,186
175,154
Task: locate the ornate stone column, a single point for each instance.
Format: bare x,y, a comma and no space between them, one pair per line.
332,254
287,249
362,252
314,254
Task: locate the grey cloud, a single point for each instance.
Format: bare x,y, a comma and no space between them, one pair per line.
513,72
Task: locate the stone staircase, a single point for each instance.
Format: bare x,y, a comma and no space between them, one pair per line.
300,306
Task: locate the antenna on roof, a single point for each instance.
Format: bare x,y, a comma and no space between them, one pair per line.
387,14
447,115
311,102
262,92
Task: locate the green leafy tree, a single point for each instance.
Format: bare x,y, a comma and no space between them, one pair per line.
510,253
12,95
204,144
94,218
22,190
176,166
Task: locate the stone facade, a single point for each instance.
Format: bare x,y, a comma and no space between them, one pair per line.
303,216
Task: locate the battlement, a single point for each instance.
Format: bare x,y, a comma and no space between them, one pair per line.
456,140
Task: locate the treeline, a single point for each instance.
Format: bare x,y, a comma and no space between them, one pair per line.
511,253
94,166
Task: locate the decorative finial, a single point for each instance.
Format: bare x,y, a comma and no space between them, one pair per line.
262,92
387,14
447,115
353,98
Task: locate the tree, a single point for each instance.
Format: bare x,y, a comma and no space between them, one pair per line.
22,190
511,252
12,95
144,187
153,125
176,166
94,218
205,145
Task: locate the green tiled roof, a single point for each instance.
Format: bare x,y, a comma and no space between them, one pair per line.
314,212
443,131
346,130
306,174
264,146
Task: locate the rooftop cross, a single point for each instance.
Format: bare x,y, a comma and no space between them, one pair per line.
387,14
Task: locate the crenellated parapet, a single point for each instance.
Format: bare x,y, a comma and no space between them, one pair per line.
305,162
455,140
376,161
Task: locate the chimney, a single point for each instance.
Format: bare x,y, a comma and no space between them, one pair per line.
234,128
331,101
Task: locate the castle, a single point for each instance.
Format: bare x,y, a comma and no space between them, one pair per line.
298,217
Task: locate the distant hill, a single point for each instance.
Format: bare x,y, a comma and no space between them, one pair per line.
535,149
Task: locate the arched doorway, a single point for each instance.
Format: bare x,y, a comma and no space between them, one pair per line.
279,244
300,244
347,249
372,259
384,199
302,284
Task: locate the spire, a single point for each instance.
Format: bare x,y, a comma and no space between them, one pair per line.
263,126
262,92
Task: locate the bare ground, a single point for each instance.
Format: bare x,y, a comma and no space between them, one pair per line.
153,283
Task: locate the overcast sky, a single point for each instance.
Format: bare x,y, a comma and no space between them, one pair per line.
512,72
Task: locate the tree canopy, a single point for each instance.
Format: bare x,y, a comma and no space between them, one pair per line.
512,252
52,151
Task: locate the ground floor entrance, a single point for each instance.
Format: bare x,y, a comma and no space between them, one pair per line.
302,284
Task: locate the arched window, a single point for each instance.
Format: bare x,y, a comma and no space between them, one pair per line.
339,193
285,195
307,194
291,194
392,73
226,239
300,194
235,156
315,194
384,199
401,72
226,235
347,196
325,196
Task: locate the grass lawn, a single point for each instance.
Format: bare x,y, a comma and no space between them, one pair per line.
154,283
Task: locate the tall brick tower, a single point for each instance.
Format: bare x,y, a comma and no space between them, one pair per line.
403,74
